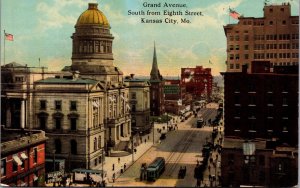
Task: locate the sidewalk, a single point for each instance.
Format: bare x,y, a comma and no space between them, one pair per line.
213,171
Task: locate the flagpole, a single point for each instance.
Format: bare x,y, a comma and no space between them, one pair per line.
4,38
229,15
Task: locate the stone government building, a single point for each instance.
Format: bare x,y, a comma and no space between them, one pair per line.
83,109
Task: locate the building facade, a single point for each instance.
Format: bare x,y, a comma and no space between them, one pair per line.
175,96
139,100
92,57
273,37
22,157
84,108
16,93
197,81
71,111
157,99
262,104
258,163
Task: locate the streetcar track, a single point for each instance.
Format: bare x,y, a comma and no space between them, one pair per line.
174,158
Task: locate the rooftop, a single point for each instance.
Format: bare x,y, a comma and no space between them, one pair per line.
14,139
67,81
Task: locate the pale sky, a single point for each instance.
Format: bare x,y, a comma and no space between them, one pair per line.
42,29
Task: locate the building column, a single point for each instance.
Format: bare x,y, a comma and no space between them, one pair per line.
8,114
22,114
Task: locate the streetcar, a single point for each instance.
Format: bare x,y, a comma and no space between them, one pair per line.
156,168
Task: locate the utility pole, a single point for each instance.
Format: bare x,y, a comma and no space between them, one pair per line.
102,160
153,130
132,148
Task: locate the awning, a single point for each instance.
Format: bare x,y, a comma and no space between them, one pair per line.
34,177
23,184
24,156
17,160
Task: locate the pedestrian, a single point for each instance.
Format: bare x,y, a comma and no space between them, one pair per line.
114,177
124,166
119,160
145,140
148,137
113,167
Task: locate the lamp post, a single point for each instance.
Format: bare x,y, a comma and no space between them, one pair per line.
54,165
54,160
153,130
132,148
102,159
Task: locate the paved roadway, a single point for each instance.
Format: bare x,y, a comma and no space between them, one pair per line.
181,148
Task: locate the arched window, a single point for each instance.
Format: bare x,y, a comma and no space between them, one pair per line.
73,147
99,142
57,144
95,144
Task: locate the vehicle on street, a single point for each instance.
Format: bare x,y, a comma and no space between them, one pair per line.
155,169
200,122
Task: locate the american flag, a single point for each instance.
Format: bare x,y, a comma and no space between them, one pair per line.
234,14
9,37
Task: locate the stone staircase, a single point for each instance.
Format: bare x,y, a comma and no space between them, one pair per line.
120,149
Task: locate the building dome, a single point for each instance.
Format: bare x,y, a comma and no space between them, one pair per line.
92,16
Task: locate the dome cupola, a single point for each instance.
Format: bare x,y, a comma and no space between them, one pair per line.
92,16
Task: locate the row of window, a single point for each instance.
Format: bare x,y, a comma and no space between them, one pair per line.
58,105
57,123
73,145
266,37
265,56
93,47
267,46
18,161
237,65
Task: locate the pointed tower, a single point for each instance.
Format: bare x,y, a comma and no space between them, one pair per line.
155,74
156,89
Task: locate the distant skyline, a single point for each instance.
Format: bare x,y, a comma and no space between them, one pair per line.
42,29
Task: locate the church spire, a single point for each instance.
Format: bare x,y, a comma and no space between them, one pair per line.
155,75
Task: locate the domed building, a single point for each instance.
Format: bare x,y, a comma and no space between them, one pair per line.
83,109
89,117
92,57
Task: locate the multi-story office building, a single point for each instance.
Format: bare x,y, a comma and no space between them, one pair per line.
261,100
197,81
262,104
176,98
273,37
139,101
157,99
23,157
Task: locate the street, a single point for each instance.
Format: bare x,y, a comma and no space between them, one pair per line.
181,148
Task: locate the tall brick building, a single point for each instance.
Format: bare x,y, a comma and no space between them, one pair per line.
273,37
198,81
261,100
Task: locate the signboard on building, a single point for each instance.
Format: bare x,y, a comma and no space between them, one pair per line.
54,176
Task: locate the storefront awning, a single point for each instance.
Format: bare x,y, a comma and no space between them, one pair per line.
17,160
24,156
